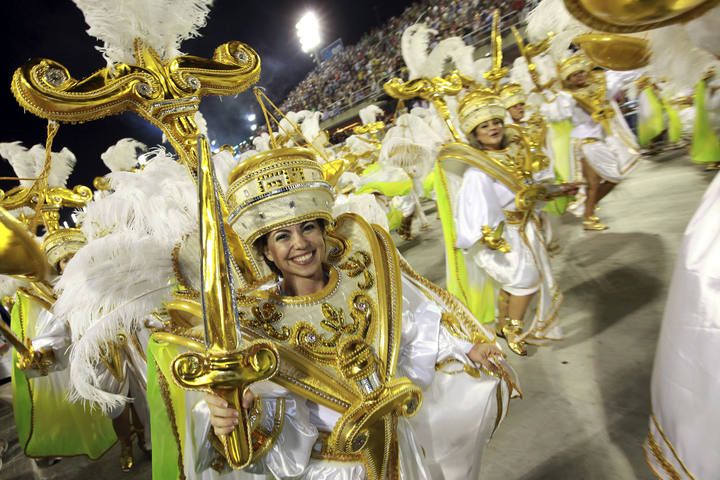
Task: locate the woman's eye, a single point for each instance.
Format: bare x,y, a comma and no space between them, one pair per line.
281,237
309,226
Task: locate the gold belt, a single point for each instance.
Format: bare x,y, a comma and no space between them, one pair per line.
514,217
322,451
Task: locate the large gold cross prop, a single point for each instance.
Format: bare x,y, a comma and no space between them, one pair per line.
165,92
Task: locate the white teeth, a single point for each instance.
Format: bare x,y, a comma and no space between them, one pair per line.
303,258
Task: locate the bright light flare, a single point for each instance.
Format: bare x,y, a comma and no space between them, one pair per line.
251,117
253,127
308,31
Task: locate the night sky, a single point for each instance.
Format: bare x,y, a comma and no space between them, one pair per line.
55,29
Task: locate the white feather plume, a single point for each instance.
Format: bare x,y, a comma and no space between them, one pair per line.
480,66
370,114
224,162
262,142
414,45
161,24
453,49
189,259
159,200
29,163
519,74
310,125
201,123
109,288
551,16
9,285
674,55
122,157
703,31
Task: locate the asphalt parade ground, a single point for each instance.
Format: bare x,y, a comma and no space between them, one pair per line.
587,397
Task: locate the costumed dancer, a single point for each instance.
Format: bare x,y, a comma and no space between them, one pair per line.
49,426
602,143
488,205
362,340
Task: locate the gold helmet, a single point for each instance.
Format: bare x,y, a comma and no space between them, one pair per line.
577,62
62,244
277,188
479,106
512,94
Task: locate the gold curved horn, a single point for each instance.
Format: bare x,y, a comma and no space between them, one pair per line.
19,253
636,15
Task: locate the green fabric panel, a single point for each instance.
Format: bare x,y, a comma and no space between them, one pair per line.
674,123
22,404
370,169
651,127
49,425
561,149
558,206
389,189
165,420
394,217
480,301
429,184
705,145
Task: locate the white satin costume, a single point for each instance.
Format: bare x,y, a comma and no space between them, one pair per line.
684,433
609,146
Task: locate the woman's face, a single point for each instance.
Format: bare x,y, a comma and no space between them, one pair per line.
490,134
297,250
578,79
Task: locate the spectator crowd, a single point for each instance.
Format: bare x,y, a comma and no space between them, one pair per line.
355,72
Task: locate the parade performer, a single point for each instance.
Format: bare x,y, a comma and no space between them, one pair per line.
363,343
49,425
602,142
487,206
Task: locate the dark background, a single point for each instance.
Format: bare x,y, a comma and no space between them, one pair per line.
55,29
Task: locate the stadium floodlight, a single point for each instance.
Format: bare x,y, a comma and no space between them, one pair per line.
308,31
253,127
251,117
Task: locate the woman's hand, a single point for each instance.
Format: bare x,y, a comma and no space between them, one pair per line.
223,418
484,355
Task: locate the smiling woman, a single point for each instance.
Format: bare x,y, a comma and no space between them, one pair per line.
371,353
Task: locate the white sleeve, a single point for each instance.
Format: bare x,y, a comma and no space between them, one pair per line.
616,81
425,342
558,109
477,206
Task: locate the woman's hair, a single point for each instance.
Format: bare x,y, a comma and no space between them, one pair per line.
261,243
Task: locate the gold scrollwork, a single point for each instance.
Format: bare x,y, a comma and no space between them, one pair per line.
264,316
324,347
359,263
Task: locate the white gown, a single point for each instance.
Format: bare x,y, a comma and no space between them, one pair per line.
613,155
684,431
452,439
525,269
